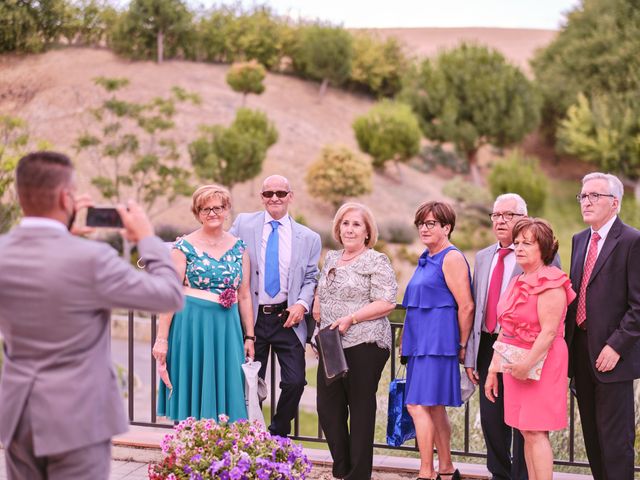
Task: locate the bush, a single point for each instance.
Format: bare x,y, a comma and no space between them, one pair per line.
431,156
169,233
327,240
338,174
522,175
407,255
246,77
395,231
389,131
206,449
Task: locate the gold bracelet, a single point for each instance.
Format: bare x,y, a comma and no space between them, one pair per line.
354,320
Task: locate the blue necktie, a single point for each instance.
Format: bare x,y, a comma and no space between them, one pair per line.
272,262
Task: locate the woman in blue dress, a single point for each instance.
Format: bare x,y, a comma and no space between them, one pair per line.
438,321
202,346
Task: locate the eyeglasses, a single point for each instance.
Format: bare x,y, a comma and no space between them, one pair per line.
430,224
506,216
593,197
208,210
277,193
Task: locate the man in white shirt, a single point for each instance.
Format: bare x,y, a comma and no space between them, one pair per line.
284,267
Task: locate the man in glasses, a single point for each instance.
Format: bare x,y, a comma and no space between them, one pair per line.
284,267
494,268
603,327
60,400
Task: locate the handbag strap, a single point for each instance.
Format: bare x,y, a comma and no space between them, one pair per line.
401,372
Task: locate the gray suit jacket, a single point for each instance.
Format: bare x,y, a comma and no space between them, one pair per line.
303,270
481,279
56,292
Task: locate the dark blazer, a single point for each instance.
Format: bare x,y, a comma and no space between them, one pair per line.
613,300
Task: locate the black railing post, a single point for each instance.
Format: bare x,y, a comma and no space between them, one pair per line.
130,345
154,380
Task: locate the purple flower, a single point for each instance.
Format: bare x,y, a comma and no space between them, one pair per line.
227,297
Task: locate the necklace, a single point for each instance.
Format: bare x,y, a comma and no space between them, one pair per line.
352,256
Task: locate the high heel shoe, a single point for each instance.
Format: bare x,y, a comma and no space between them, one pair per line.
455,475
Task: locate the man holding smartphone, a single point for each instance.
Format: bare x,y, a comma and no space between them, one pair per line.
60,401
284,266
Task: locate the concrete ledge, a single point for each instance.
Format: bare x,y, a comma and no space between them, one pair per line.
142,444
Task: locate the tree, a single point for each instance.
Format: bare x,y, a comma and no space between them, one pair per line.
133,151
471,96
246,77
378,66
339,174
324,53
234,154
30,25
595,53
520,174
151,27
389,131
605,131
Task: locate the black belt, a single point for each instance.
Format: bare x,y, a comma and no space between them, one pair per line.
492,336
271,309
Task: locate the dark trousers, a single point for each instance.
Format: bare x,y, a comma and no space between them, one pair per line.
497,434
607,416
271,334
89,462
347,411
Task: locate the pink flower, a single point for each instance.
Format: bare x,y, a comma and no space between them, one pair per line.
228,297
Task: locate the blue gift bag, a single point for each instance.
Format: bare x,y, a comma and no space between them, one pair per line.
400,426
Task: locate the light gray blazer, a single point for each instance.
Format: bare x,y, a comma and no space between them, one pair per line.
56,292
481,271
303,270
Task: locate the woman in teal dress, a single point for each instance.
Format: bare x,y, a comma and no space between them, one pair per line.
202,346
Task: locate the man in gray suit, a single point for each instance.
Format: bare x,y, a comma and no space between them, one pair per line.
495,265
284,267
60,402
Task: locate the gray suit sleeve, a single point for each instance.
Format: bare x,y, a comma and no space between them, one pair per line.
311,272
155,289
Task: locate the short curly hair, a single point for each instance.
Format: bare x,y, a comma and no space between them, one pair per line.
205,193
369,222
542,233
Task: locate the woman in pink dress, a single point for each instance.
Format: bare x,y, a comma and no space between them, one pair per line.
531,314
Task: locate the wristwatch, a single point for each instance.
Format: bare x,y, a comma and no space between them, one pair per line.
250,337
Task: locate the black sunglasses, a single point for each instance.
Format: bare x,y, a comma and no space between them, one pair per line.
277,193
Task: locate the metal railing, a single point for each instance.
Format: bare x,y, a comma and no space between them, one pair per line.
464,452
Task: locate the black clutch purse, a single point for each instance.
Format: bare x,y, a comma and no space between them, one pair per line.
333,359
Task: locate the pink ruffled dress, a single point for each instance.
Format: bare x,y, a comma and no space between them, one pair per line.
539,405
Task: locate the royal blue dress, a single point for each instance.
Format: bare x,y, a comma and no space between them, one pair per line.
431,337
206,350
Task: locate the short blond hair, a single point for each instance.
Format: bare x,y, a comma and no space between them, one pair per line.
205,193
369,222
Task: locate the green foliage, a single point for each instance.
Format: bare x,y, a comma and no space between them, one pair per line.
87,22
323,53
378,66
395,231
338,174
595,53
604,131
389,131
431,156
132,148
154,29
30,25
522,175
236,153
471,96
246,77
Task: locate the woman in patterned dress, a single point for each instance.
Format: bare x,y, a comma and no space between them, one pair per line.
356,291
202,346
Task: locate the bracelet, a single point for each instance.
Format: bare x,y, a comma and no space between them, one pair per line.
250,337
354,320
162,340
463,347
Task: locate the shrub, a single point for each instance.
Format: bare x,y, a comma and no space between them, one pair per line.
407,255
327,240
246,78
431,156
389,131
338,174
169,233
206,449
395,231
520,174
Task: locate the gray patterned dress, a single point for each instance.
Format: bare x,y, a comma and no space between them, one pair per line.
345,289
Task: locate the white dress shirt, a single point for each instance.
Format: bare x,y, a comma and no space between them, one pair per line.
603,232
285,232
39,222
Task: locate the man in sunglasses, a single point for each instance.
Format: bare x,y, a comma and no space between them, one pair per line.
603,327
284,267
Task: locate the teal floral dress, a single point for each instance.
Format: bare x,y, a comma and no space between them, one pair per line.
206,349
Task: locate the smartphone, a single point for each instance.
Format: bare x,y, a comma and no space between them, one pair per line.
107,217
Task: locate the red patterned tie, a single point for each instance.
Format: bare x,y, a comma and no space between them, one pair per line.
592,255
491,318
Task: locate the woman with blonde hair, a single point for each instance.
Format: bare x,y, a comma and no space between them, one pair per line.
202,346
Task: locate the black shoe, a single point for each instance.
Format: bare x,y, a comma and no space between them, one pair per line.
455,475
